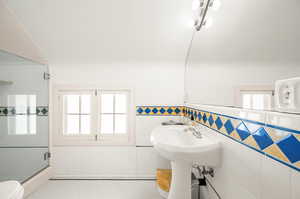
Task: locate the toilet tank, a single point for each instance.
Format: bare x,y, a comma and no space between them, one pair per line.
287,95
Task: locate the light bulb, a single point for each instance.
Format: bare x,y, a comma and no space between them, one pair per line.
216,4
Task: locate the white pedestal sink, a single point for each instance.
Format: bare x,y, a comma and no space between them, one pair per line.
183,149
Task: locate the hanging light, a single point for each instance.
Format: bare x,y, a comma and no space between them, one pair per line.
200,9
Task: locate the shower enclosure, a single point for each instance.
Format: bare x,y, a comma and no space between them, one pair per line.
24,127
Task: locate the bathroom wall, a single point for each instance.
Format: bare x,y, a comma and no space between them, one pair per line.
247,171
152,84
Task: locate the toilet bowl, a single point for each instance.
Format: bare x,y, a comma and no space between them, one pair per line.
11,190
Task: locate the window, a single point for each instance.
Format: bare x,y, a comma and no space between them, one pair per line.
113,113
77,114
260,98
93,116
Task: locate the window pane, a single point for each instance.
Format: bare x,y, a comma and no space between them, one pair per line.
120,124
85,124
85,104
120,103
107,124
107,103
72,103
72,124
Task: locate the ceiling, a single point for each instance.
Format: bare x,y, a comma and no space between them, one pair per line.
98,31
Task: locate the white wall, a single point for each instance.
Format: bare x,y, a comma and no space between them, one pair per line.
153,84
246,174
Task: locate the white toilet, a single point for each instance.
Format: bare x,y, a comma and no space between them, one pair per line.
11,190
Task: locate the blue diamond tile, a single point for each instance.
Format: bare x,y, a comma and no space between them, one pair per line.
204,118
243,131
229,127
148,110
199,116
140,110
262,138
154,110
177,110
219,123
162,110
170,110
290,146
211,120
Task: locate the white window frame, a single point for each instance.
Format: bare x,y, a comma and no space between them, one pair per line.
95,138
252,89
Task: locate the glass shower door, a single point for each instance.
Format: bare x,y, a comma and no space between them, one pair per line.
24,135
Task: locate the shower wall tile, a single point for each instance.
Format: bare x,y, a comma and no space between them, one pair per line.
295,181
275,180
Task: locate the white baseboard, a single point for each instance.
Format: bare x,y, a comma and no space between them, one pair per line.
32,184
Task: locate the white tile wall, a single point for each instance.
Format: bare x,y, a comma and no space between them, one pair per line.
245,173
144,126
276,180
295,181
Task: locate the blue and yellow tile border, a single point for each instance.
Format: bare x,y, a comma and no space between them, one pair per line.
279,143
11,111
159,110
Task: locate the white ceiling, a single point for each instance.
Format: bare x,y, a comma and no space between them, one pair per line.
98,31
251,31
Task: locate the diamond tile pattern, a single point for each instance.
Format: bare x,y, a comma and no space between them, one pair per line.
258,136
243,131
159,110
11,111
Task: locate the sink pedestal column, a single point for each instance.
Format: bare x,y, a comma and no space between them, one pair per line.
181,185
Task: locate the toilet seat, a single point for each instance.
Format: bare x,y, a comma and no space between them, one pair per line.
11,190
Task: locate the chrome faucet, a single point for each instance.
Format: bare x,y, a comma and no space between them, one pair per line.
196,130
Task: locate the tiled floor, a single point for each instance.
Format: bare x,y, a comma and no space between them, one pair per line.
96,189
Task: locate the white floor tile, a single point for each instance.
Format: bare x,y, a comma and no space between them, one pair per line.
97,189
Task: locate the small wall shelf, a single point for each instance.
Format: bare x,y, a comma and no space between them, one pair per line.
5,83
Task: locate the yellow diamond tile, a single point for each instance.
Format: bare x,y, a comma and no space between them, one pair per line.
251,142
223,119
235,123
223,130
235,135
275,151
214,117
297,164
214,126
276,134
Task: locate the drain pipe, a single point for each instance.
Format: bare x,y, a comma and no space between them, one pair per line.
203,181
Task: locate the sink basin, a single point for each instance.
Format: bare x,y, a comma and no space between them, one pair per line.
183,149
